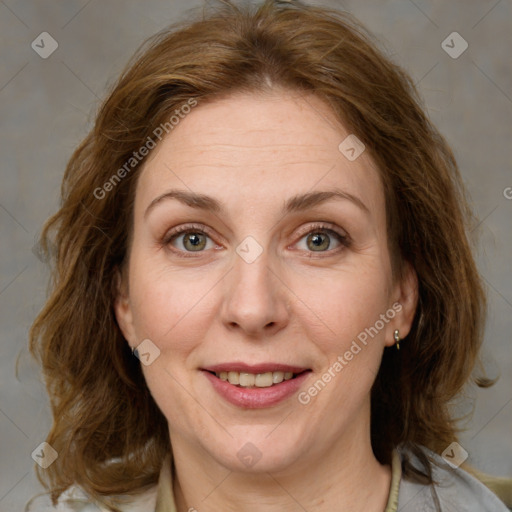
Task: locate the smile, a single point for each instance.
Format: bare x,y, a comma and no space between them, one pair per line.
255,386
258,380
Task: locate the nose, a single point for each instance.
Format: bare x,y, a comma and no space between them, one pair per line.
256,301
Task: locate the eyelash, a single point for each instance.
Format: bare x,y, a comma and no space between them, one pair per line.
320,227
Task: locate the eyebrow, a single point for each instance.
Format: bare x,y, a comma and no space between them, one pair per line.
297,203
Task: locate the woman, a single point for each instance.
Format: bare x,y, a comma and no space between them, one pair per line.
264,296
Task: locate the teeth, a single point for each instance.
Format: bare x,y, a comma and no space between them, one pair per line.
263,380
249,380
234,378
277,377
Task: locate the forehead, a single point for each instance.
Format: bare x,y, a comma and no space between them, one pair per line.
261,146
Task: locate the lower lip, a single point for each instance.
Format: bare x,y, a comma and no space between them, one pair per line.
256,398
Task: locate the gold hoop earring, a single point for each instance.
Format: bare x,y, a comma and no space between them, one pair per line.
396,336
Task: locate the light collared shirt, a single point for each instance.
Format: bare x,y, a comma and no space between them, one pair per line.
165,498
456,491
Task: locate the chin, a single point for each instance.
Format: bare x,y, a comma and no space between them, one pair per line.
258,453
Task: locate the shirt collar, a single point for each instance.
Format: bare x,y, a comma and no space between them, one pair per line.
165,497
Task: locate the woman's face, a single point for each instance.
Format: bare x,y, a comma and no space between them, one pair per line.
283,269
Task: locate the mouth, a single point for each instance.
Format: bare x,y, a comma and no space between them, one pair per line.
255,380
256,386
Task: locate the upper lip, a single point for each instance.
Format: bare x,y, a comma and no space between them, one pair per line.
254,368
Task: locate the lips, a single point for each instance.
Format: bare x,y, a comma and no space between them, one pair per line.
262,375
255,369
255,386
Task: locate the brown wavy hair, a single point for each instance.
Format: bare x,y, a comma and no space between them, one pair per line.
110,435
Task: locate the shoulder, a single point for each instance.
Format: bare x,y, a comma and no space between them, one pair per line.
75,499
456,490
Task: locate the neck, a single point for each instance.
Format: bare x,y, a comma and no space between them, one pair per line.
335,479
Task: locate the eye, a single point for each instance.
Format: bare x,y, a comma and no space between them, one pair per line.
194,238
322,239
189,239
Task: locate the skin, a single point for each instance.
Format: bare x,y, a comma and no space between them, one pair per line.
295,304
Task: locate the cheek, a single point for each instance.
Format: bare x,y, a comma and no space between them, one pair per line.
336,310
348,336
172,310
168,307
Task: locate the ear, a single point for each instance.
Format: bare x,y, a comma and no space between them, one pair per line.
405,301
123,310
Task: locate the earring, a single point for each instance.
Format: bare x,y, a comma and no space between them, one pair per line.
396,335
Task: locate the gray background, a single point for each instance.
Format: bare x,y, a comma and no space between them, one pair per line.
47,106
